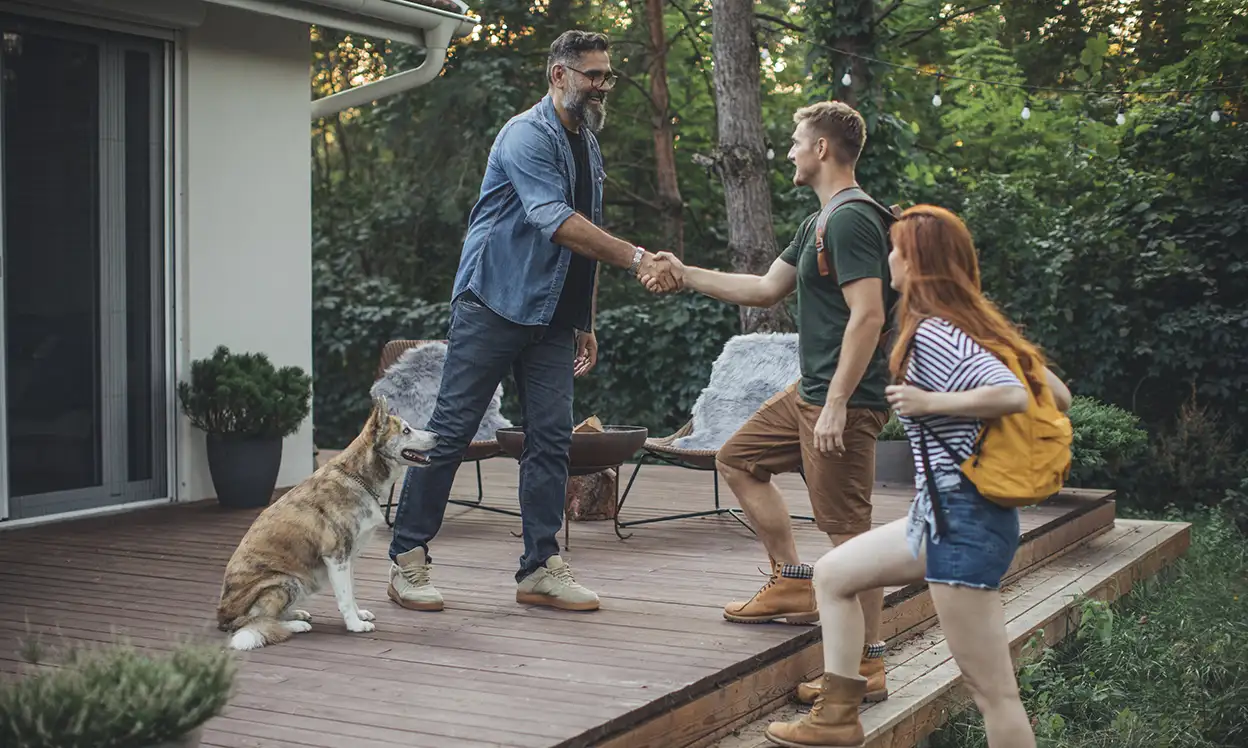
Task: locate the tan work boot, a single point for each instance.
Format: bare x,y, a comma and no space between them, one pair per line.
553,585
831,723
788,596
871,668
410,584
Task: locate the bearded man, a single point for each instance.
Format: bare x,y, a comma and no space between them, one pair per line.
524,300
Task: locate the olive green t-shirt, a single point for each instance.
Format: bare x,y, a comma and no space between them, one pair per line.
857,247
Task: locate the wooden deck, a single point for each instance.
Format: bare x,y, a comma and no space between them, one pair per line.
657,665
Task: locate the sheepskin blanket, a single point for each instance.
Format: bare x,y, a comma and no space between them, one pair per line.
410,386
749,370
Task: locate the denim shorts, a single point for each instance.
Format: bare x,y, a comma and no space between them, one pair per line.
979,541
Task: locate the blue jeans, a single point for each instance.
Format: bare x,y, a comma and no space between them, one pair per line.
481,347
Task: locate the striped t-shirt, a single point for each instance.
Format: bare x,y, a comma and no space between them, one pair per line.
945,359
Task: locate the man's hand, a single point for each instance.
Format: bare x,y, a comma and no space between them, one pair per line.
830,429
586,353
908,400
661,273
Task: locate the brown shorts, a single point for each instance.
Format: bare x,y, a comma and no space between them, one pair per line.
779,438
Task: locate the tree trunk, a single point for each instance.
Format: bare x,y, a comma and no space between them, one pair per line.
671,205
742,153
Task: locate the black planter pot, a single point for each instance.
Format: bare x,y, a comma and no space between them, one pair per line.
244,470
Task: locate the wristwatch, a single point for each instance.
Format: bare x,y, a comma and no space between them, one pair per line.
638,253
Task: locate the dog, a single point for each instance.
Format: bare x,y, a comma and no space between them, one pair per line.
313,534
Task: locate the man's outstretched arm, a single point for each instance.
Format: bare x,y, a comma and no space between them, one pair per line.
736,288
527,156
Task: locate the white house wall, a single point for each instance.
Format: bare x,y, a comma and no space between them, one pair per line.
246,259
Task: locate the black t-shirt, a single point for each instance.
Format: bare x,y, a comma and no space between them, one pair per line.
576,298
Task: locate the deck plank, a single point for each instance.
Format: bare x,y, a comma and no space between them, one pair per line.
483,671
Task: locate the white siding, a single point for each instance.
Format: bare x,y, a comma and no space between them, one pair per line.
245,244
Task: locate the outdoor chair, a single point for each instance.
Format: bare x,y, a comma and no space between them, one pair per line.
478,449
749,370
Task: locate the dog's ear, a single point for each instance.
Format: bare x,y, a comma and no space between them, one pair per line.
381,407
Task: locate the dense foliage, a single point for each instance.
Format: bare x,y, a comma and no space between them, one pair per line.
1121,248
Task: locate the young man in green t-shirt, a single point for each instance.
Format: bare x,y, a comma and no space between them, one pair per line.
827,422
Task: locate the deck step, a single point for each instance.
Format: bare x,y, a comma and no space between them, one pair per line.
926,684
733,700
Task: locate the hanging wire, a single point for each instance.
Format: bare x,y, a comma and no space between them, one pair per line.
1026,86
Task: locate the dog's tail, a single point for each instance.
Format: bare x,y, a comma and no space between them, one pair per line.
258,632
240,604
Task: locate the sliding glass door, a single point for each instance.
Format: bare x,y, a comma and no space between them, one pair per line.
82,209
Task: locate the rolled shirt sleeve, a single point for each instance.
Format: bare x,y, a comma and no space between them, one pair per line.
528,158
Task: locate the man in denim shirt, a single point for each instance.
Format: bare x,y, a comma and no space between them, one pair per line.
524,300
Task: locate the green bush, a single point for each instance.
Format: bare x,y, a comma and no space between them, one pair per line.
1106,439
243,394
115,697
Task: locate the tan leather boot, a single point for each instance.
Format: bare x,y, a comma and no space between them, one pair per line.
871,668
831,723
788,597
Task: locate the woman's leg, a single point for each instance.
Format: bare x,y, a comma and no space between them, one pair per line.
875,559
879,558
974,624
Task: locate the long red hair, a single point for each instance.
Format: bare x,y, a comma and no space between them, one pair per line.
942,280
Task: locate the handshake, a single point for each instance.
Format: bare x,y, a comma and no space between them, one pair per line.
661,273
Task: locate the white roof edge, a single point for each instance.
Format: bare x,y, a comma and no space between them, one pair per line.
399,20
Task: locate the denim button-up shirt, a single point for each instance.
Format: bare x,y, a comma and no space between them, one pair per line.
510,260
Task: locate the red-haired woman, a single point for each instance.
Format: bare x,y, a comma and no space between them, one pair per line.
946,328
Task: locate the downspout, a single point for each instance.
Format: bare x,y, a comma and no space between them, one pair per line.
437,40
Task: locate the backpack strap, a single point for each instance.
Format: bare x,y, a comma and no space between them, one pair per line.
826,266
853,194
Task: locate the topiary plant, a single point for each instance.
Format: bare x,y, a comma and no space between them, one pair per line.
244,395
1106,438
116,696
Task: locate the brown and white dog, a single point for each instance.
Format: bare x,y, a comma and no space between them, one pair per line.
314,533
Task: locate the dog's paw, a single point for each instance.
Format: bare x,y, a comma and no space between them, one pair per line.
297,627
300,615
366,616
360,626
246,639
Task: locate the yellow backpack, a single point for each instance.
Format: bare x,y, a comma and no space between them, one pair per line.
1023,458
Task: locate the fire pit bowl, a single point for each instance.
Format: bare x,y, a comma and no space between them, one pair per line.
591,452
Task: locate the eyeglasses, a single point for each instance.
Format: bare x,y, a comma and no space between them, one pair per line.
596,78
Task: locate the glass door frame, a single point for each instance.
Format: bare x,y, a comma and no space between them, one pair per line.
162,49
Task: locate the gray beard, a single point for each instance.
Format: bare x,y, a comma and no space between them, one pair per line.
593,115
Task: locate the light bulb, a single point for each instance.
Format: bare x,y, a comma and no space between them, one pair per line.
1121,118
1026,113
936,100
771,153
845,79
1215,116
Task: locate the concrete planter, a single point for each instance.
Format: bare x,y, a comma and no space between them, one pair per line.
894,464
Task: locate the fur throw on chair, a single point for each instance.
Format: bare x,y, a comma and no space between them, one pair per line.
749,370
410,386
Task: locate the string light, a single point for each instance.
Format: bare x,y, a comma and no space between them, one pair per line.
845,79
1120,116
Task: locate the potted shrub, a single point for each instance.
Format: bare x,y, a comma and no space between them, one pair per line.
117,695
246,406
894,462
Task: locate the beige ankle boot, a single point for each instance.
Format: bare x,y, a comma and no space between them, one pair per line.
831,723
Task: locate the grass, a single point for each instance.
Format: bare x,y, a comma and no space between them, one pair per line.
1167,665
